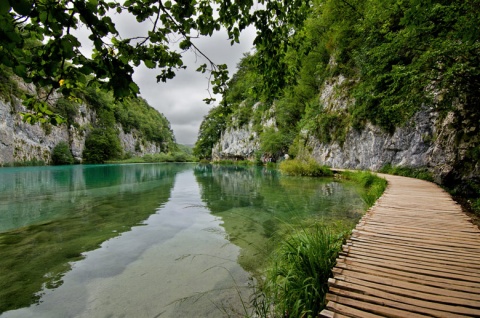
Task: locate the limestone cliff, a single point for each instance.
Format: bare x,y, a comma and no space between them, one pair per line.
20,142
236,143
446,144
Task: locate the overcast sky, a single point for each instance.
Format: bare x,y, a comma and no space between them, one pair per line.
180,99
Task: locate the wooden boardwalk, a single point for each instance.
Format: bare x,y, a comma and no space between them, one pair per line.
413,254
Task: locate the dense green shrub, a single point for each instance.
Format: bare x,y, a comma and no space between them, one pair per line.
476,206
274,142
67,109
304,167
61,154
102,144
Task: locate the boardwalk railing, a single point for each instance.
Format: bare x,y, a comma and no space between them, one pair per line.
413,254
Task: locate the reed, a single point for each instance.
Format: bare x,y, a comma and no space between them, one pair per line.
297,281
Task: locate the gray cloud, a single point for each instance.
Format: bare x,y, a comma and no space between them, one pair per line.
180,99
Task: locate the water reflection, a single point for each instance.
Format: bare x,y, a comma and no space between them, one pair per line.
178,264
36,194
202,227
256,202
60,213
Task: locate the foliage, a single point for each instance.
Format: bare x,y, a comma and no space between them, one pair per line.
418,173
130,113
274,142
330,126
39,44
101,144
182,154
373,185
412,51
395,56
297,282
304,167
169,157
8,87
25,163
135,113
233,162
67,109
476,206
211,128
61,154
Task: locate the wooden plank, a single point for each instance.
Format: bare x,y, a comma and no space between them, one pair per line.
415,250
373,308
414,286
413,254
423,223
408,258
466,230
425,240
420,232
412,305
432,257
416,270
350,311
434,247
417,263
446,283
409,292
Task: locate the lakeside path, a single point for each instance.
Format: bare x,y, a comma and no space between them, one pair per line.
413,254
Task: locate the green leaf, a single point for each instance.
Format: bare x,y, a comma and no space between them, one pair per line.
4,7
134,88
202,68
185,44
150,63
20,70
23,7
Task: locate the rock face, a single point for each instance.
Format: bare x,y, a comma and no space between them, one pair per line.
21,141
236,143
446,145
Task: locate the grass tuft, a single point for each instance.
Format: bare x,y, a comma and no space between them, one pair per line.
297,281
418,173
307,167
373,185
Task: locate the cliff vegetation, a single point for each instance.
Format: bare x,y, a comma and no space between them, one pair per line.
364,84
94,127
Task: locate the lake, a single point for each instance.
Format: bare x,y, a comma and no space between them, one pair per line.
148,240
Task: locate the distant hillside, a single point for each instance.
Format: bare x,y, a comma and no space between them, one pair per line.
96,127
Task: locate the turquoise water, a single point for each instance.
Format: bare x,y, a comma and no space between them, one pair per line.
147,240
